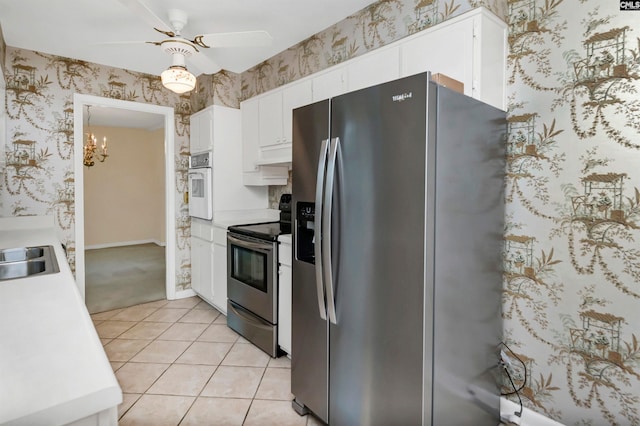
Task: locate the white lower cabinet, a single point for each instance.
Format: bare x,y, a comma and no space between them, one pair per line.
201,262
220,270
284,296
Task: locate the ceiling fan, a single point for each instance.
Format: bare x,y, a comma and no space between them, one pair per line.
177,78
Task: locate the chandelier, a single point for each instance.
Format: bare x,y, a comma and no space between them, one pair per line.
91,149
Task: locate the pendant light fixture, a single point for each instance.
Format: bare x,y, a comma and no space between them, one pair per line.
177,78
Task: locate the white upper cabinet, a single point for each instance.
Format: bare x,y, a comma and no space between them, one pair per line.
470,48
276,110
270,120
376,67
329,84
250,110
448,51
295,95
201,131
255,174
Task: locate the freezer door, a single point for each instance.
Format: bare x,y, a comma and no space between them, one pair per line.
309,331
378,260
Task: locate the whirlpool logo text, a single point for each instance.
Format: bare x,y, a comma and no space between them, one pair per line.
402,97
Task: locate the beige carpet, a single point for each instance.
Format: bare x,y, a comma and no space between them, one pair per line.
118,277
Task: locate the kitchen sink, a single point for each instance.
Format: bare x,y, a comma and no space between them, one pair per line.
22,262
21,253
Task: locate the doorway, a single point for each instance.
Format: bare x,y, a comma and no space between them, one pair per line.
85,238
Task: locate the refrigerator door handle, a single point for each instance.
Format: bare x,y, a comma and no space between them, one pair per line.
326,227
317,231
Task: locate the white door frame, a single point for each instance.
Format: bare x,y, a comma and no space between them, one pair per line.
79,103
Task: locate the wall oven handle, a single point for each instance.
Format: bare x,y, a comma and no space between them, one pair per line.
249,244
326,228
317,231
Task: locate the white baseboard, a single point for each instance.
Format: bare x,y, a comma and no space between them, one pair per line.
184,294
126,243
528,418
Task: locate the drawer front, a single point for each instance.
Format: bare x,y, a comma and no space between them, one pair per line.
253,328
202,231
220,236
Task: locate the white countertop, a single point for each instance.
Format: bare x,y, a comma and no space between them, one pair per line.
53,369
227,218
285,238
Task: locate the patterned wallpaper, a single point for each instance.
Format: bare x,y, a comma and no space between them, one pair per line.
3,50
571,298
571,295
222,88
39,174
572,282
378,24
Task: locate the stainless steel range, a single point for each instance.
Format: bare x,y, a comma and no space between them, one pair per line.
252,279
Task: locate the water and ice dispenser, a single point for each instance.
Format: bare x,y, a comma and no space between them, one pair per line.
305,225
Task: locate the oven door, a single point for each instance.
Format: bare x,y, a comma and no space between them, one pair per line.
200,193
252,275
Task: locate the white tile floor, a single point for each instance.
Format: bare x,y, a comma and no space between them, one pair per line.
178,363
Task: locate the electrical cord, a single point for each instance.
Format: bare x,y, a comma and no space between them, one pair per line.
515,391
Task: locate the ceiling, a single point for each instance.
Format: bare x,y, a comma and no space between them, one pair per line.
94,30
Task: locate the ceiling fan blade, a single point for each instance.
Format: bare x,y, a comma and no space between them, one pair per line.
204,64
235,39
147,15
114,43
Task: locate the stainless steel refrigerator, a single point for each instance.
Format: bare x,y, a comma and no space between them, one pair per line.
398,204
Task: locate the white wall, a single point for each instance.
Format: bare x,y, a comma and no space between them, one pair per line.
124,196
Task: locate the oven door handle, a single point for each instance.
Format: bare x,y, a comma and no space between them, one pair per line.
250,244
317,231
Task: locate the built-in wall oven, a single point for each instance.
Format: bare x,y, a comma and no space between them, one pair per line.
201,186
252,280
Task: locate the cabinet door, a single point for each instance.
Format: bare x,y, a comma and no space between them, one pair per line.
293,96
205,132
250,110
329,84
202,268
374,68
220,277
194,133
271,119
447,50
284,308
201,131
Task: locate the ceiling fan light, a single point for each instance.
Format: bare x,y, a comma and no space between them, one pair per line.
178,79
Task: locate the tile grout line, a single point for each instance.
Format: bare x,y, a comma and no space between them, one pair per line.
169,365
190,345
174,362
